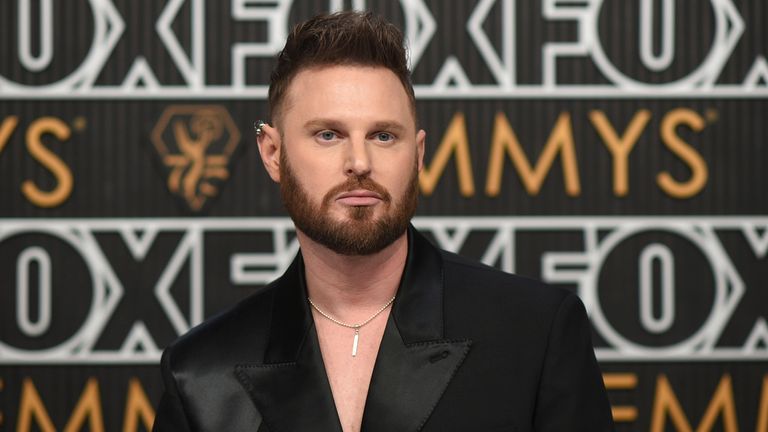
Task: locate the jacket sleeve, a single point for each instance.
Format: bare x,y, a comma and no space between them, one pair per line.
571,395
170,416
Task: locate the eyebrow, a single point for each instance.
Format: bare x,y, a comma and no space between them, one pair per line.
389,126
335,124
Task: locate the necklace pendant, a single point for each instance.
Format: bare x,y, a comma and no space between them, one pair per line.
354,342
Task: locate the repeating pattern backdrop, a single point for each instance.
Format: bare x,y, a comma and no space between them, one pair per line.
612,147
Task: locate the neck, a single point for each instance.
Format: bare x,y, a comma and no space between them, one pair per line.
351,287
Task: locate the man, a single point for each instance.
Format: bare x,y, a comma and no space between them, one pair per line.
372,328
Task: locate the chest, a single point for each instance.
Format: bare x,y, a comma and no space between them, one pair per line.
350,376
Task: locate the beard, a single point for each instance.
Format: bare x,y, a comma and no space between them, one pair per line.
361,233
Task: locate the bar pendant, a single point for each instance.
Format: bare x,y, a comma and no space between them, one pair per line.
354,342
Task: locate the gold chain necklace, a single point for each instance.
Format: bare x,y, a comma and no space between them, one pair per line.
352,326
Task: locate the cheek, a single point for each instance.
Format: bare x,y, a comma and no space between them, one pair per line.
399,173
315,169
319,183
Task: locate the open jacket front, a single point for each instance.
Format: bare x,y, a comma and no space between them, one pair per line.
466,348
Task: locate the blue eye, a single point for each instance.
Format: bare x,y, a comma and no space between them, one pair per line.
327,135
384,136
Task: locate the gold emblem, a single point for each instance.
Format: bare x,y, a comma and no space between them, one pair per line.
196,143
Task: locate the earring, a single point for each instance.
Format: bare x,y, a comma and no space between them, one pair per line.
257,126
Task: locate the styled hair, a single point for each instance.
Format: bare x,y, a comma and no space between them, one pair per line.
342,38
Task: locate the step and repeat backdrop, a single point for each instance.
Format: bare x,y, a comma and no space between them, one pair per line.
613,147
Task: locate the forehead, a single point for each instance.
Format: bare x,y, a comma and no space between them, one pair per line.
348,92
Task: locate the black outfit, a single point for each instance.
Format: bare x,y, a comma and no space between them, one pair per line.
466,348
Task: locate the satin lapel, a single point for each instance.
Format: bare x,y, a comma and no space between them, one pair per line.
408,381
290,387
294,396
415,363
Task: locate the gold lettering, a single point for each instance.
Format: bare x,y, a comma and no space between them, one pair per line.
6,129
684,151
722,402
31,406
47,158
762,420
620,147
666,402
137,407
454,141
621,381
505,141
89,406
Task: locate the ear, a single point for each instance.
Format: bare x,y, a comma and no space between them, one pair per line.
421,137
270,147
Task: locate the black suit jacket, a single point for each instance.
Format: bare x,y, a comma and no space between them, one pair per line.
466,348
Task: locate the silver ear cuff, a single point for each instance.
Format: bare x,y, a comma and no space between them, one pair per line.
257,126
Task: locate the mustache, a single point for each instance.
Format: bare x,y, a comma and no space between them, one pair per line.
356,183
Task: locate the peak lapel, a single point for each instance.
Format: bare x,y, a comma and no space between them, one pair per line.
409,380
290,387
415,363
293,396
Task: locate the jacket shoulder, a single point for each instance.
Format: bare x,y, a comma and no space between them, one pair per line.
221,336
480,279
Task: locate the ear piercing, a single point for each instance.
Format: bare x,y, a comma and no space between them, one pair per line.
258,125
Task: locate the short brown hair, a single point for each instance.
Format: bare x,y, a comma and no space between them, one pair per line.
342,38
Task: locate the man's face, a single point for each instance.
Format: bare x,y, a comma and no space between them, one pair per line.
349,157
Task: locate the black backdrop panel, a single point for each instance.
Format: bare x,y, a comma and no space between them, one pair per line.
615,148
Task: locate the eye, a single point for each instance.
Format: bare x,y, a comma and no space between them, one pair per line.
327,135
384,136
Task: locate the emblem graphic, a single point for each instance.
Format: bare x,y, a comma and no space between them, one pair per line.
196,143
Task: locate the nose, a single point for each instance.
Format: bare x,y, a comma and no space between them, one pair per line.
358,161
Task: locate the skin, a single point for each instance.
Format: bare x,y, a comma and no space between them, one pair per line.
337,122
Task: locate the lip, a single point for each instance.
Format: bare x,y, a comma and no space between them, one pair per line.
359,197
